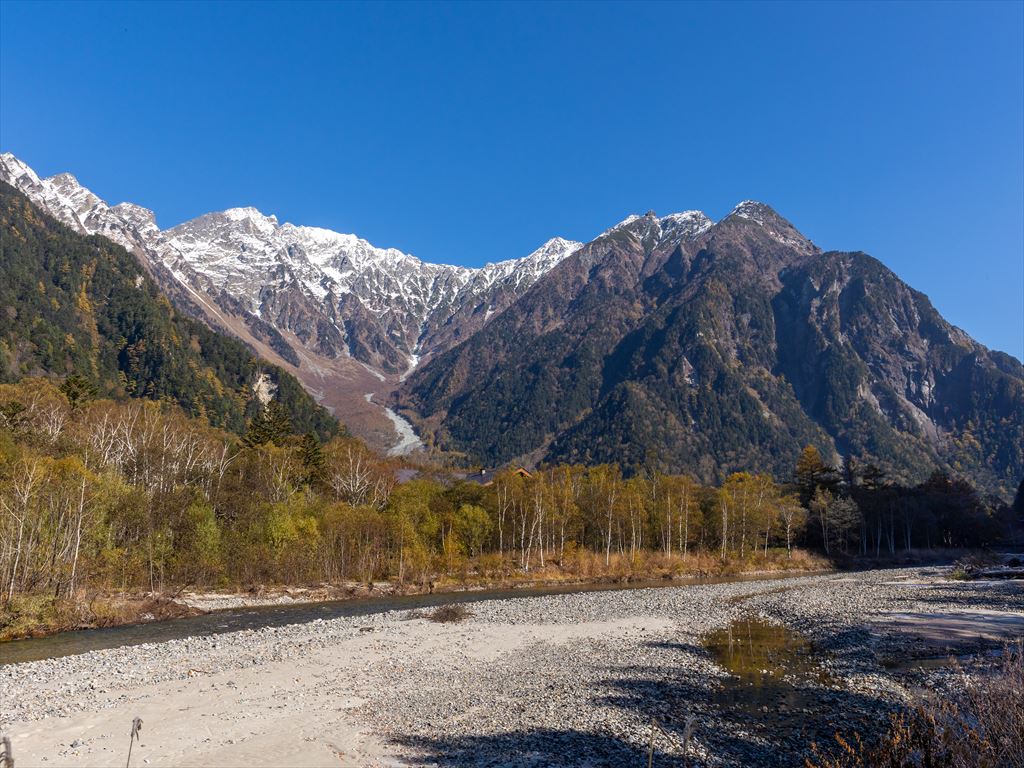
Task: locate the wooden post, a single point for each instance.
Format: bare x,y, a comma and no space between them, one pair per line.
136,727
6,753
650,750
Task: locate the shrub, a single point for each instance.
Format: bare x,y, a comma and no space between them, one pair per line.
444,614
982,726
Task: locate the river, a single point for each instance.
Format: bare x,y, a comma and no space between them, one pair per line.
235,619
408,441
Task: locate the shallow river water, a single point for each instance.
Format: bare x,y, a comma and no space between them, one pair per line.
772,668
235,619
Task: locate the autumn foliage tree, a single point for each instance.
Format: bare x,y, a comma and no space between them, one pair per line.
136,494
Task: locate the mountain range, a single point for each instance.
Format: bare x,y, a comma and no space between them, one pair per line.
348,319
715,348
675,342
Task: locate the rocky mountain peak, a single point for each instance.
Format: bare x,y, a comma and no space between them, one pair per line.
81,199
753,213
687,224
688,330
142,218
674,226
335,292
65,182
729,352
15,169
550,253
252,216
557,244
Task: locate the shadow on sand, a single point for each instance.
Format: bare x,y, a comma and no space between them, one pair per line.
776,702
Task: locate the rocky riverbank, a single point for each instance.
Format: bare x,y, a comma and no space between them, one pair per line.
555,680
35,616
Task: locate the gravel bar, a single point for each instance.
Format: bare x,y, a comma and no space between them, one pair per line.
572,679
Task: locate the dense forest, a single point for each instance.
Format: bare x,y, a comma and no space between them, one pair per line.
136,495
71,304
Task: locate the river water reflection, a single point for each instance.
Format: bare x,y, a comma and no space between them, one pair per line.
776,680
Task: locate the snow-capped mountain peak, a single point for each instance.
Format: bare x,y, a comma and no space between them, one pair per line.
752,210
333,306
335,293
14,169
684,225
694,222
253,217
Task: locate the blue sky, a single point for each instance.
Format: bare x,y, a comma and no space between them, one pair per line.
472,133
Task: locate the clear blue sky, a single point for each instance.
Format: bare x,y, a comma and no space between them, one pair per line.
472,133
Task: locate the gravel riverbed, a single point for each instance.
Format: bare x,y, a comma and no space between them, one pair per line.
571,679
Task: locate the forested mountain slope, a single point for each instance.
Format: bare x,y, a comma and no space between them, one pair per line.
81,305
713,348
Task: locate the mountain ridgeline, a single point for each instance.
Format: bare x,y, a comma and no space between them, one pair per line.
74,305
675,343
343,316
688,346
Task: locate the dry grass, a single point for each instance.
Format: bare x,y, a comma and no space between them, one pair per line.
38,615
581,565
980,727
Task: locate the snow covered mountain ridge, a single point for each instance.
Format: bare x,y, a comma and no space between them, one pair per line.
307,289
350,320
336,293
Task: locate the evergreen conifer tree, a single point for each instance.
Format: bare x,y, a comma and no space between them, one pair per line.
270,425
312,457
77,389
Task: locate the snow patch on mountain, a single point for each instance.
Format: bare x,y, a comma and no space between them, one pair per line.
685,225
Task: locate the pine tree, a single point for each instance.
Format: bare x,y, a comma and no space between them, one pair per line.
270,425
77,389
312,456
813,473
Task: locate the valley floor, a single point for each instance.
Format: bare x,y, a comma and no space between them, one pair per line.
555,680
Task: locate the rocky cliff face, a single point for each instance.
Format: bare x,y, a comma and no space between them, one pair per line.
338,312
339,294
712,348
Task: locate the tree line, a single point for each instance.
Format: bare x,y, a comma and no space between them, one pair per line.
136,495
